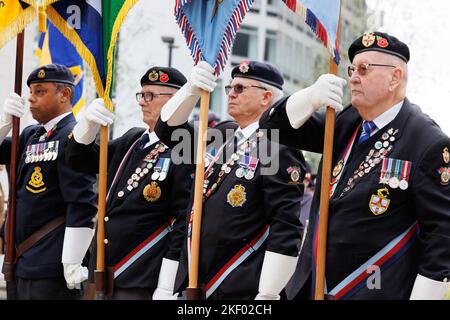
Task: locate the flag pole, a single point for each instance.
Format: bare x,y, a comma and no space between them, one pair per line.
8,265
193,292
325,188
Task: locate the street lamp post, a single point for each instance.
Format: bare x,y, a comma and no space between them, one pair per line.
170,43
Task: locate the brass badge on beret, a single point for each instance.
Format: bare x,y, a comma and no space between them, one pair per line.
36,183
153,76
152,192
41,74
237,196
446,155
244,67
368,39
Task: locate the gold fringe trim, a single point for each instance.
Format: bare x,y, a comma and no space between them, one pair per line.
83,51
17,26
126,7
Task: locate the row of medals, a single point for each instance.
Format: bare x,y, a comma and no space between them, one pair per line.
49,154
145,168
376,155
226,167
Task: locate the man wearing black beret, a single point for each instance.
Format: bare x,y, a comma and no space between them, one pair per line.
250,233
147,194
389,212
55,204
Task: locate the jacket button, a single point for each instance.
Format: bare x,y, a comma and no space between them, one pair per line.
106,219
105,241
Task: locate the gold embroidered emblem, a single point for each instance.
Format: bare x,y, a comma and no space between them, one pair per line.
41,74
446,155
153,76
338,168
237,196
379,203
36,183
152,192
368,39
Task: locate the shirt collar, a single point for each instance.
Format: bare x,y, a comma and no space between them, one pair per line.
153,138
385,118
248,130
49,125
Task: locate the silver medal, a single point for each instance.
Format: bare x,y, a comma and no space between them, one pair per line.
249,175
394,183
403,184
155,175
240,172
162,176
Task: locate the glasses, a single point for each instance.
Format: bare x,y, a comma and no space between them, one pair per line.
239,88
363,68
148,96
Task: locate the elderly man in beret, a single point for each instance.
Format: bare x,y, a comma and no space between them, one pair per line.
250,233
55,204
389,216
147,197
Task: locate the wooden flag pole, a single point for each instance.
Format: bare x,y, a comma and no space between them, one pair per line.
193,292
8,265
103,166
325,190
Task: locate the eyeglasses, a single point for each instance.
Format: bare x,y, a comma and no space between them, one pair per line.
148,96
363,68
239,88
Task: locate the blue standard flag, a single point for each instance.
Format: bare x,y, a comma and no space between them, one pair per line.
53,47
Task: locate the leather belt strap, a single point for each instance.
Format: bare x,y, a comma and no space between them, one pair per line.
38,235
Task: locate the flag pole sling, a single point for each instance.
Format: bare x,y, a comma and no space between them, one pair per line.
100,267
8,266
193,292
325,190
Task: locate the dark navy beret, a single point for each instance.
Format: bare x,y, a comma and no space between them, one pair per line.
164,76
260,71
51,73
379,41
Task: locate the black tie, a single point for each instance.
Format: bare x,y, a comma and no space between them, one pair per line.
141,143
39,132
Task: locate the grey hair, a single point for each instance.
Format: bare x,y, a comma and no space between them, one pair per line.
277,94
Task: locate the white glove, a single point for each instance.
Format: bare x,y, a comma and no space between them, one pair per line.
276,271
326,91
13,106
166,280
96,115
75,274
76,243
429,289
177,110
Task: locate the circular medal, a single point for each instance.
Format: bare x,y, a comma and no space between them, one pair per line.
378,145
138,170
386,144
385,136
249,175
240,172
235,157
145,171
227,169
162,176
392,139
367,170
41,157
155,175
403,185
27,159
135,184
141,174
224,166
55,155
149,165
134,176
394,182
46,156
130,181
120,194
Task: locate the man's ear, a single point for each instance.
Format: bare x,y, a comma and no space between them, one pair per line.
397,77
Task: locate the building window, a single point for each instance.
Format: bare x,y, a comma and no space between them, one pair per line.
246,42
270,49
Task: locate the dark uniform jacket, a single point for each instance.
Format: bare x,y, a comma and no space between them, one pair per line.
355,234
227,226
45,191
132,222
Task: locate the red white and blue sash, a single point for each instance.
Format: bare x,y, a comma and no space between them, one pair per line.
142,248
236,260
382,259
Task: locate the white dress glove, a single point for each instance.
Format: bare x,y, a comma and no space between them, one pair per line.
166,280
177,110
96,115
326,91
76,243
13,106
276,271
75,274
429,289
